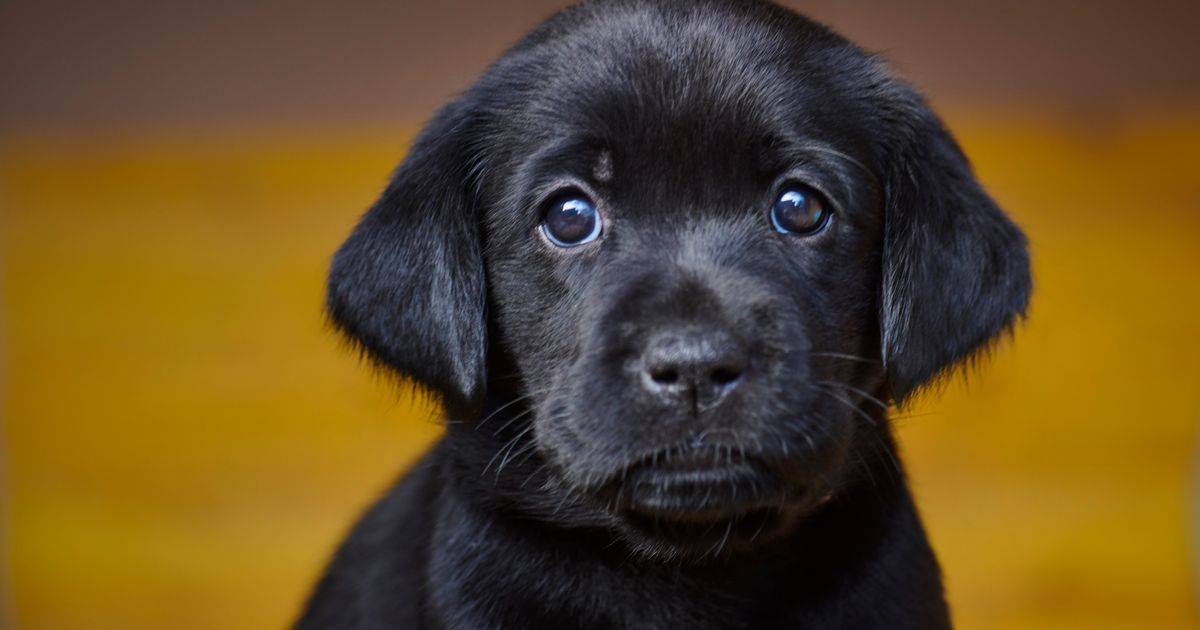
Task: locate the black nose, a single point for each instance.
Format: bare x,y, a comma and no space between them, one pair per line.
696,365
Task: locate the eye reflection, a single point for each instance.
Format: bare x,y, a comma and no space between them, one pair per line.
571,220
799,210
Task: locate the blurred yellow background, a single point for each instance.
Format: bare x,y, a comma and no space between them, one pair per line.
184,442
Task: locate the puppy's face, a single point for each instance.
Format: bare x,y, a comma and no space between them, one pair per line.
704,241
686,281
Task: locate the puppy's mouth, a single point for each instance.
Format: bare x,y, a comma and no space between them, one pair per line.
699,500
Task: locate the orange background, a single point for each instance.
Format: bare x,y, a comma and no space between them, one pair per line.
184,443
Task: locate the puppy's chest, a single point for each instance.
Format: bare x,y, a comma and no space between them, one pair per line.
503,585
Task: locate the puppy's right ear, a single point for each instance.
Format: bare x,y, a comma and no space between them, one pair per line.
955,268
407,286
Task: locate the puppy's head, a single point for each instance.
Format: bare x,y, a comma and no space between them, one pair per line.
701,244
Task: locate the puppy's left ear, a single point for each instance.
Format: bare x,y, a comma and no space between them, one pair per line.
408,284
955,268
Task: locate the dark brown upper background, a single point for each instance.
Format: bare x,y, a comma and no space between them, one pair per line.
75,64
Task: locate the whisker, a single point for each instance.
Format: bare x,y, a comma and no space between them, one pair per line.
530,393
880,403
819,425
535,472
513,455
511,421
506,405
848,357
508,446
851,406
724,539
910,416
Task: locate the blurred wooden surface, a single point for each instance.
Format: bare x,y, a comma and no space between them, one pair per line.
185,442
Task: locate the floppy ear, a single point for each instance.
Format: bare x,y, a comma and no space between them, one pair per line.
408,284
955,269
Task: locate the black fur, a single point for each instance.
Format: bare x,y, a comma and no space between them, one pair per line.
571,492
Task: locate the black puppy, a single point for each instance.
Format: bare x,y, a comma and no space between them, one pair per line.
665,265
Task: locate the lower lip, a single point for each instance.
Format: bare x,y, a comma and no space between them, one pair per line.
747,525
702,495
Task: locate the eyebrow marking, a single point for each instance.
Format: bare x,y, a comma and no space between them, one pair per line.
603,169
818,147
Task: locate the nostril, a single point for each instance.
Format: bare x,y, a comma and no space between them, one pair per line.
699,364
664,376
725,375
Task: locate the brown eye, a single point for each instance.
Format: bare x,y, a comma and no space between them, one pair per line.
571,220
799,210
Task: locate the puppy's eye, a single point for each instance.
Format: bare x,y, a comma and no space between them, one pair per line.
799,210
571,220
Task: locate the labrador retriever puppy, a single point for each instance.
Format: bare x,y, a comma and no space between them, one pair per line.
666,266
